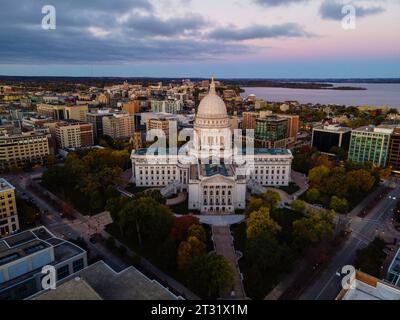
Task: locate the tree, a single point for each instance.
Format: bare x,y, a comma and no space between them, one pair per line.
340,153
198,231
271,199
188,251
210,275
167,254
254,204
335,183
298,206
313,195
147,220
180,228
314,227
371,258
260,221
267,253
317,174
359,182
339,204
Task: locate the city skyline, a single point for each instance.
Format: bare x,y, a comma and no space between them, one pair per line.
275,39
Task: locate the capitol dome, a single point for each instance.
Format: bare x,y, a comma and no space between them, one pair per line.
212,106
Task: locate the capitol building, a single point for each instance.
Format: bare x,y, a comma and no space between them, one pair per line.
215,173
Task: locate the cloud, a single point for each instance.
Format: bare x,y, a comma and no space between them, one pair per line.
332,10
286,30
155,26
276,3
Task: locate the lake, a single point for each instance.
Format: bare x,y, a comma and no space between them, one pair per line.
375,95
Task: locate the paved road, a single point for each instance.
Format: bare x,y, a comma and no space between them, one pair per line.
223,243
327,285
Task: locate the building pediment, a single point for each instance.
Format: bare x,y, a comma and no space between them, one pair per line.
218,178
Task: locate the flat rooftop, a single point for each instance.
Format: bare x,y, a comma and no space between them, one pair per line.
107,284
369,288
28,242
332,128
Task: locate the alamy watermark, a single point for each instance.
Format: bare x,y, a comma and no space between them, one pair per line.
349,19
49,20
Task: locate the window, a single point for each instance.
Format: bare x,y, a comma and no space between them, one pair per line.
77,265
62,272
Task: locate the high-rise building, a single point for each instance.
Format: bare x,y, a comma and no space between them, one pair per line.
8,209
370,144
394,151
326,137
96,119
158,125
249,120
166,106
76,112
131,107
293,125
271,131
119,125
53,111
18,150
74,134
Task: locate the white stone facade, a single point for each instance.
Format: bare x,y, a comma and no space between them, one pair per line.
214,173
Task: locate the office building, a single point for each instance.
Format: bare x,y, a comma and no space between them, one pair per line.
73,134
324,138
96,119
249,120
8,209
370,144
53,111
271,132
19,150
76,112
131,107
100,282
394,151
119,125
166,106
23,255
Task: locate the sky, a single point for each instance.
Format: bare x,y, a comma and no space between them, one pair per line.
199,38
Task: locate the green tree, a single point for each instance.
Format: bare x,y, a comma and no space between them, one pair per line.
167,254
313,195
317,174
260,221
359,182
314,227
339,204
211,275
298,206
271,199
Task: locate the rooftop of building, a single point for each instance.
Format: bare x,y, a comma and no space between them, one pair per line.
209,170
99,281
74,289
5,185
332,128
367,287
26,243
385,129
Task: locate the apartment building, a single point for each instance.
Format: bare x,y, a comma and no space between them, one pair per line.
19,150
249,120
118,125
73,134
8,209
271,132
49,110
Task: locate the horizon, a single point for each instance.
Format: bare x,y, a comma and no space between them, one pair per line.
247,39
